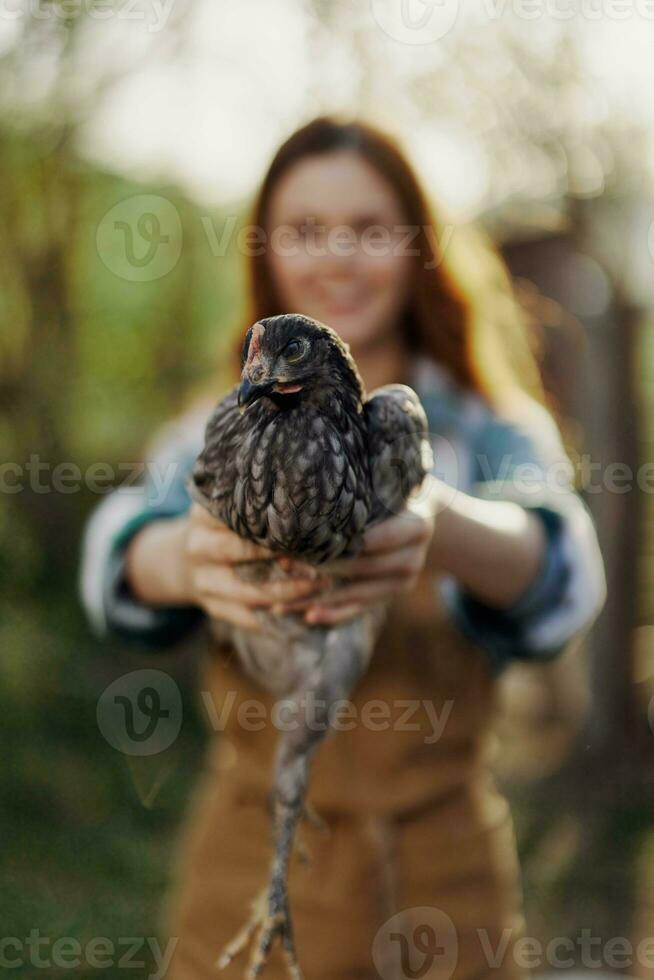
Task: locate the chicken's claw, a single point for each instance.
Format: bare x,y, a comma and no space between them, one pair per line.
271,918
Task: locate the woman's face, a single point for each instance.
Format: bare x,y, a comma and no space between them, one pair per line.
335,246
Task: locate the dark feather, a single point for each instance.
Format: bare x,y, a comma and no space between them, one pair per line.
304,474
303,471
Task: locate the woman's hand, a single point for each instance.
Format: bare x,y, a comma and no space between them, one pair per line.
214,584
492,548
192,559
394,553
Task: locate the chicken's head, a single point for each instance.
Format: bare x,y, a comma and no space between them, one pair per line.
291,357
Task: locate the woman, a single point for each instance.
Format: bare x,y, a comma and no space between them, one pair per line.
497,560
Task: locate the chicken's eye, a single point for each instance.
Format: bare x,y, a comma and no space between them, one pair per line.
293,351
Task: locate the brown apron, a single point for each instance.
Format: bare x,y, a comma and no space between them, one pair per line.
415,824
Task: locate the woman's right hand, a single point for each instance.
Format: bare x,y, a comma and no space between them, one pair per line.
209,553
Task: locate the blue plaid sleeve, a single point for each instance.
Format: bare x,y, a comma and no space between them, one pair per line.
569,589
108,600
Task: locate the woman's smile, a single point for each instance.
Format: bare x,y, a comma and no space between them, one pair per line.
342,298
357,285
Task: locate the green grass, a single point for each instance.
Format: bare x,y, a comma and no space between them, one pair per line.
82,855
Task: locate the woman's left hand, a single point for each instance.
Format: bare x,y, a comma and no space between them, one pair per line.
393,555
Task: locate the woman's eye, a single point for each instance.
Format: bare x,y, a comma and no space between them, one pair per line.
293,350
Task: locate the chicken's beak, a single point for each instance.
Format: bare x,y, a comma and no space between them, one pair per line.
249,393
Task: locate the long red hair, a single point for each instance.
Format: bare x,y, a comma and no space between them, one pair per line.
453,317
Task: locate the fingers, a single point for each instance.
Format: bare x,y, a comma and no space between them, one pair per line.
372,578
401,561
209,538
365,592
331,616
232,612
232,549
201,516
397,532
294,567
392,556
222,582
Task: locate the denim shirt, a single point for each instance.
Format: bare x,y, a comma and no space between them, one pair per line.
475,450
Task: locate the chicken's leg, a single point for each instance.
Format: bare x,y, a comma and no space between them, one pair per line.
271,917
344,652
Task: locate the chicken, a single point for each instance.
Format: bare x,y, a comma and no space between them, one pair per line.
297,459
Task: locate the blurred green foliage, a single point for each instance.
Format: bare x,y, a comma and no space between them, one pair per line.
90,365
